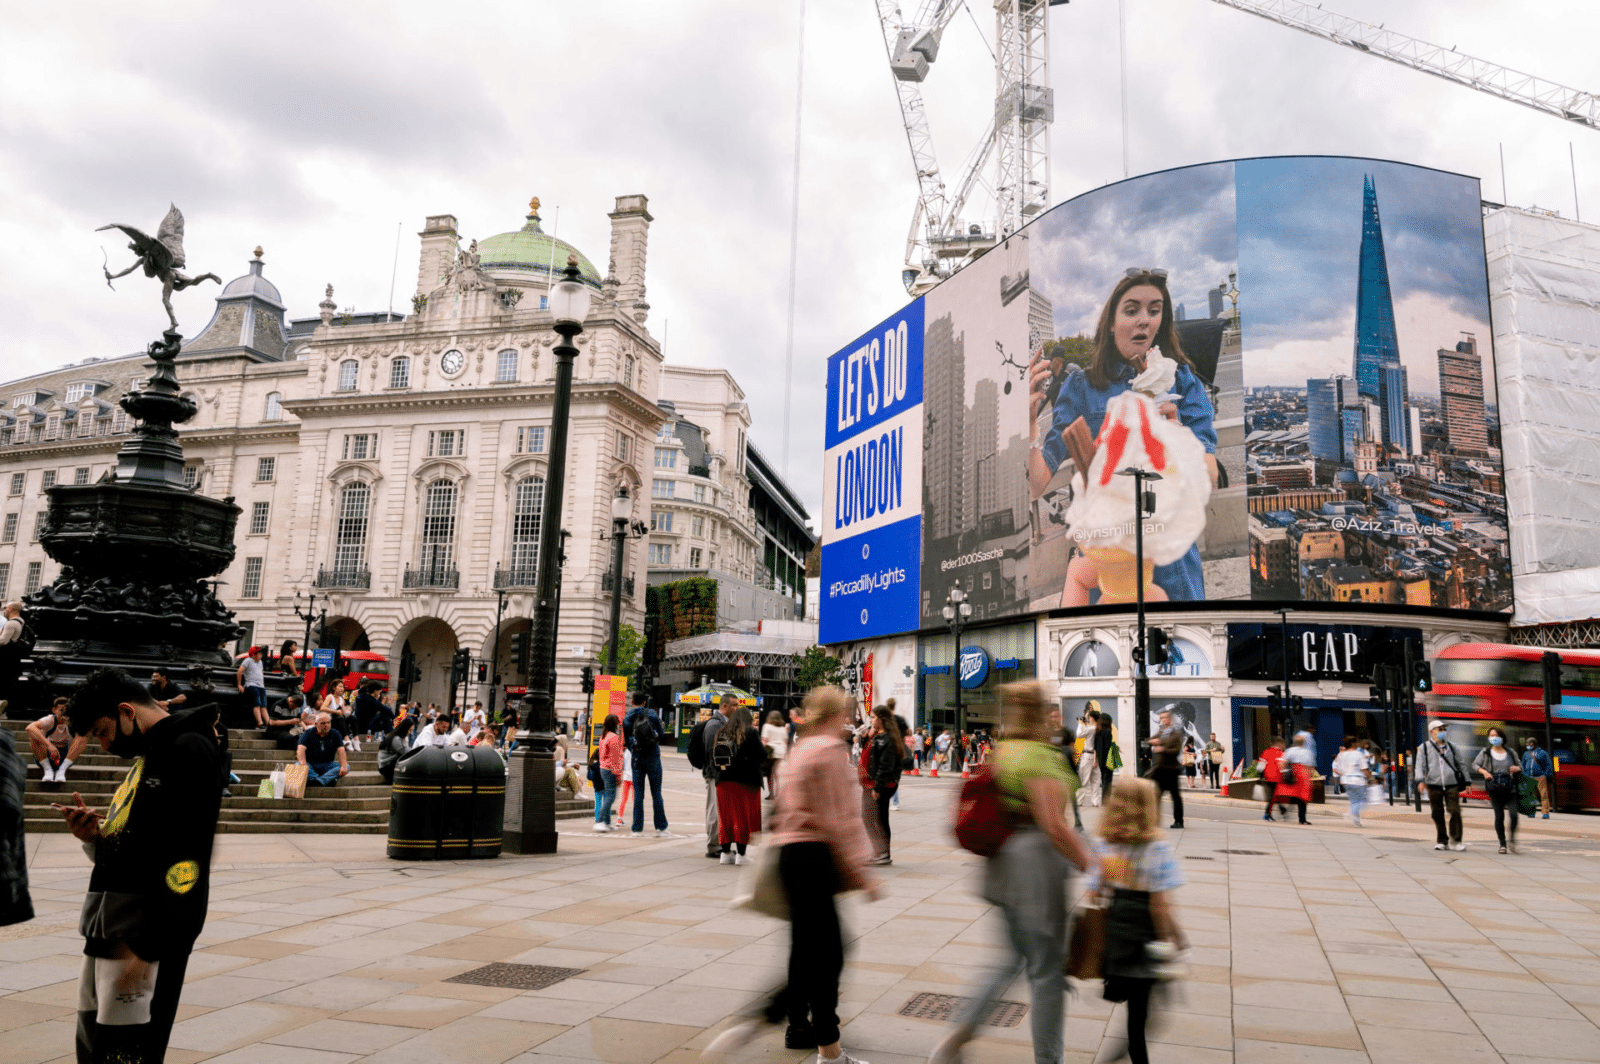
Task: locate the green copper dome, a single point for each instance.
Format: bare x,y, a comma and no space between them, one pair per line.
533,250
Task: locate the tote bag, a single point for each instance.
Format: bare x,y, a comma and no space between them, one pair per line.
761,888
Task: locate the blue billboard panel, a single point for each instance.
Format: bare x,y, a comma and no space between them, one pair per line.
869,583
872,483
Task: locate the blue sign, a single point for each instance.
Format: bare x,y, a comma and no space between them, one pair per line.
324,658
869,583
872,483
974,666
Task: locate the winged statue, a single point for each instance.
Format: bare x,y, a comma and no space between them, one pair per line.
161,256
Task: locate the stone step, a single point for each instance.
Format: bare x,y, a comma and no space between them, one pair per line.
292,822
365,785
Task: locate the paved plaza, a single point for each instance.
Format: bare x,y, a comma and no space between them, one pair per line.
1313,945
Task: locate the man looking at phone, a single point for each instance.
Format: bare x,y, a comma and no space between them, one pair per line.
146,902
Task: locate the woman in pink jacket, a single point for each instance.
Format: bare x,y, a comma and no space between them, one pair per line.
823,851
610,770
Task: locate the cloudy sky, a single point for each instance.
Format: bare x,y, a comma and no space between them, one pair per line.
316,130
1181,221
1299,260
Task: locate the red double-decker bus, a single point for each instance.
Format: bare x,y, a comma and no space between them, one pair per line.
1479,685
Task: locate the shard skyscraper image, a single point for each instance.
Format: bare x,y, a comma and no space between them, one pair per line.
1377,347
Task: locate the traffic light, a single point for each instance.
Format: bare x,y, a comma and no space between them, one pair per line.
1551,666
1297,704
652,645
460,662
588,680
1274,700
341,664
483,672
519,652
1421,676
1156,647
1375,698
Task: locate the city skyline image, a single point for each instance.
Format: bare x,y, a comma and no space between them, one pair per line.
1306,229
1373,460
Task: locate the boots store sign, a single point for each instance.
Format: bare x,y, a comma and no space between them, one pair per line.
1316,651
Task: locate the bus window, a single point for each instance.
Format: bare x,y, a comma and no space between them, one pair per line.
1488,672
1580,677
1574,746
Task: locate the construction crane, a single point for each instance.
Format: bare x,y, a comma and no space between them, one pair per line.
1573,105
940,241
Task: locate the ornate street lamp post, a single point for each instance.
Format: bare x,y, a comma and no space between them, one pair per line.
1143,506
530,824
621,512
956,611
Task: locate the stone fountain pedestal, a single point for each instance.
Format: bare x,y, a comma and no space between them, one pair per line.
136,552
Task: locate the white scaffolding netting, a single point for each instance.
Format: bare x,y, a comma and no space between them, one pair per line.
1544,285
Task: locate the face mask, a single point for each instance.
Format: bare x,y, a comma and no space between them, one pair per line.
1495,740
127,746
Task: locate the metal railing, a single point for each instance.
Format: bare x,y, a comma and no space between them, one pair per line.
357,578
431,578
504,578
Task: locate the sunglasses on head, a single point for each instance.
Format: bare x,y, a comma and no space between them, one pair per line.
1140,271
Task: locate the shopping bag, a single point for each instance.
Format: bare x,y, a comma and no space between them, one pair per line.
1086,942
265,789
1527,794
761,888
294,781
1375,793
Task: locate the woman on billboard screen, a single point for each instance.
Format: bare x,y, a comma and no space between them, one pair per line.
1139,403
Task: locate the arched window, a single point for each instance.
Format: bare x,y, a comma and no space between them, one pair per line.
505,366
347,374
400,372
439,526
350,536
527,508
274,411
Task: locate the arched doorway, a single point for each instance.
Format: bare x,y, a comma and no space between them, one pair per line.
513,676
425,649
345,633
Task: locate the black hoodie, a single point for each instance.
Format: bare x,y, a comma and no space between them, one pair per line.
152,862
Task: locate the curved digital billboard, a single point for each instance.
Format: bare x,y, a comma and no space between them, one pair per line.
1299,347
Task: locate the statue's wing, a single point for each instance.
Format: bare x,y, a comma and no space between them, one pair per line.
152,249
171,234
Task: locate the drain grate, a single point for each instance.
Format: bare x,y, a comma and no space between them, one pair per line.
941,1007
1192,857
1247,853
516,976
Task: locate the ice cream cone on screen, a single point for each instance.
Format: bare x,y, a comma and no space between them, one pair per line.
1102,515
1116,569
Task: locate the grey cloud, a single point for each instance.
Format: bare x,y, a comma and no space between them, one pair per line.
1300,239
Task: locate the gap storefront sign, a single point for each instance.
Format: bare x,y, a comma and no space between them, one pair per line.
872,484
1346,652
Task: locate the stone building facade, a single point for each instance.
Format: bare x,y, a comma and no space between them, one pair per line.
394,468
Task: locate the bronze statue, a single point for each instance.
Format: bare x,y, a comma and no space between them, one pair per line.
161,256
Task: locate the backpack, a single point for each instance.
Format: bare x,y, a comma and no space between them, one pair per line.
644,736
982,822
697,744
722,753
14,652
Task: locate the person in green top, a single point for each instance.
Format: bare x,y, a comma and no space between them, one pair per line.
1026,878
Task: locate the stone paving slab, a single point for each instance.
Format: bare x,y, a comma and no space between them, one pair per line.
1322,944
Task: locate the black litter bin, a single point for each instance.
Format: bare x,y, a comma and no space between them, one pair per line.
448,802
